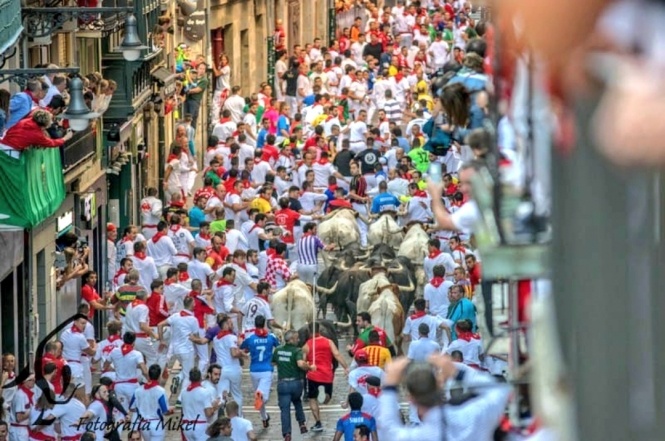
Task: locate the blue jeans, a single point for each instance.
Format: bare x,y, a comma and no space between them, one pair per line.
290,392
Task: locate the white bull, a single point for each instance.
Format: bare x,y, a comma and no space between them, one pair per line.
415,248
378,299
293,306
385,230
339,228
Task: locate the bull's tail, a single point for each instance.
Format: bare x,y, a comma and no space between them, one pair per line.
289,306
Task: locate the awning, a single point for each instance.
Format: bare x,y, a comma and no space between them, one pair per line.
166,79
32,187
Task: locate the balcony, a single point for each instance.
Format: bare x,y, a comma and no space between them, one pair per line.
82,146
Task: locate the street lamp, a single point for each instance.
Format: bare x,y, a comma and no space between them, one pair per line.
131,45
77,113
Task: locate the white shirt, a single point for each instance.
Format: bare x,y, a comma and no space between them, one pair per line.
416,212
147,271
413,322
134,316
253,236
174,178
260,171
309,199
438,298
252,308
194,404
105,347
421,349
150,403
444,259
235,240
19,404
98,422
199,270
466,217
357,131
213,202
439,51
151,211
182,240
69,415
73,344
241,282
322,172
162,251
471,350
231,199
240,427
224,297
224,130
358,377
174,294
236,105
183,324
223,348
125,365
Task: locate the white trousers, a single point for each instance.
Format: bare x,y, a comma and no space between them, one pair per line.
152,430
262,381
195,431
230,383
362,226
124,392
186,363
203,353
18,433
87,374
306,273
148,232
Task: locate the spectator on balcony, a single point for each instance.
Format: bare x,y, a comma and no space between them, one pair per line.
57,87
31,132
195,91
102,100
21,104
56,107
5,97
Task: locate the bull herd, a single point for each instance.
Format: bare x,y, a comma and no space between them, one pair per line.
383,280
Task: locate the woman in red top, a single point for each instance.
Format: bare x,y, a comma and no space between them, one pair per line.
319,352
31,132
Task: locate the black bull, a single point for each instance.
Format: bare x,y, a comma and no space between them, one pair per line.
339,284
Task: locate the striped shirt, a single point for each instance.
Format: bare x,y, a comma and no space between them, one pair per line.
377,355
393,110
308,249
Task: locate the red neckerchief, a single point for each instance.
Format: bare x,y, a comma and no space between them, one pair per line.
106,407
177,204
434,254
171,158
223,282
139,255
374,391
158,236
174,228
243,266
193,385
437,281
126,349
323,161
120,272
418,315
262,297
261,332
136,303
168,282
28,392
457,203
419,194
270,252
204,236
185,313
151,384
222,334
257,160
183,276
32,97
466,336
224,120
76,330
332,188
461,249
112,338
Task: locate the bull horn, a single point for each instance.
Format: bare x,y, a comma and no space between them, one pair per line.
326,291
344,324
407,288
396,270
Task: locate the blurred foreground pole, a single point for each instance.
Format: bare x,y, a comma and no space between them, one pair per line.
608,278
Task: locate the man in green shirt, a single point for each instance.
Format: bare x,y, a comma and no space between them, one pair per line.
212,172
195,94
419,156
290,364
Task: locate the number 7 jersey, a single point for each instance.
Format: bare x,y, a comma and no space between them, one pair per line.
260,348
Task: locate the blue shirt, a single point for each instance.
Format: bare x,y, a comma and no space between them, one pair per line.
261,138
403,143
260,351
196,216
283,124
331,196
347,424
308,101
384,202
20,105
